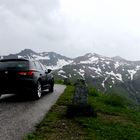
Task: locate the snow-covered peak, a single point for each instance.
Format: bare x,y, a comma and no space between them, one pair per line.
89,58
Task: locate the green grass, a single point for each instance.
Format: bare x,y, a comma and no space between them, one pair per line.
59,82
55,125
115,120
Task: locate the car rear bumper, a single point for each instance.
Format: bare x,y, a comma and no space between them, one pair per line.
17,86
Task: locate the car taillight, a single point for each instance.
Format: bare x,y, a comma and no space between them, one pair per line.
26,73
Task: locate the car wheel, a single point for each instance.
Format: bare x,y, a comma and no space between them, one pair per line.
51,88
38,91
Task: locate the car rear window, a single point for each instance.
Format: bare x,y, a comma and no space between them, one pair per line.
14,65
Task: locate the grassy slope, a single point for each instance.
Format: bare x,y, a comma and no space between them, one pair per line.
115,120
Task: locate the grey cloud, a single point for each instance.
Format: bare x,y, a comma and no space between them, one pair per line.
43,25
30,24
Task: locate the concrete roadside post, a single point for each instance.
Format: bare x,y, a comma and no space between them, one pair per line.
80,96
80,105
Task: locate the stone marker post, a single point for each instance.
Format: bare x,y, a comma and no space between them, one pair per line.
80,105
80,96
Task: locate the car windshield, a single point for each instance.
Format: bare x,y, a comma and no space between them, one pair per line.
14,65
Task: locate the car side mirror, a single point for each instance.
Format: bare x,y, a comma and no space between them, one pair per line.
49,70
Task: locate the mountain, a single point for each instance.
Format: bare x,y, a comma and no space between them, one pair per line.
111,75
51,60
107,74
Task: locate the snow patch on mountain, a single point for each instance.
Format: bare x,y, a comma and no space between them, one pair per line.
97,70
90,61
102,59
132,73
81,72
60,64
64,76
117,76
103,83
113,80
35,57
19,56
117,65
107,62
61,71
41,57
137,68
93,76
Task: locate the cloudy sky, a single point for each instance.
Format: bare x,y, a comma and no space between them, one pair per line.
71,27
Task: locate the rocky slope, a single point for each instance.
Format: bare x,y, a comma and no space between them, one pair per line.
106,74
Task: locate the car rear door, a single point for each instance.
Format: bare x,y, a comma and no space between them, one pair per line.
41,72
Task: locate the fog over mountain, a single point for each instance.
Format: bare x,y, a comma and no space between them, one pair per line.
71,27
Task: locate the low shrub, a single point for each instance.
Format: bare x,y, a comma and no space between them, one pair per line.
93,92
115,100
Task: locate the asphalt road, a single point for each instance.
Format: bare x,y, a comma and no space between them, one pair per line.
19,115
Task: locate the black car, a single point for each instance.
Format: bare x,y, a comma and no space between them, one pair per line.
22,76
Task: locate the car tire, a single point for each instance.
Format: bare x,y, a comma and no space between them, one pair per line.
51,88
38,91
